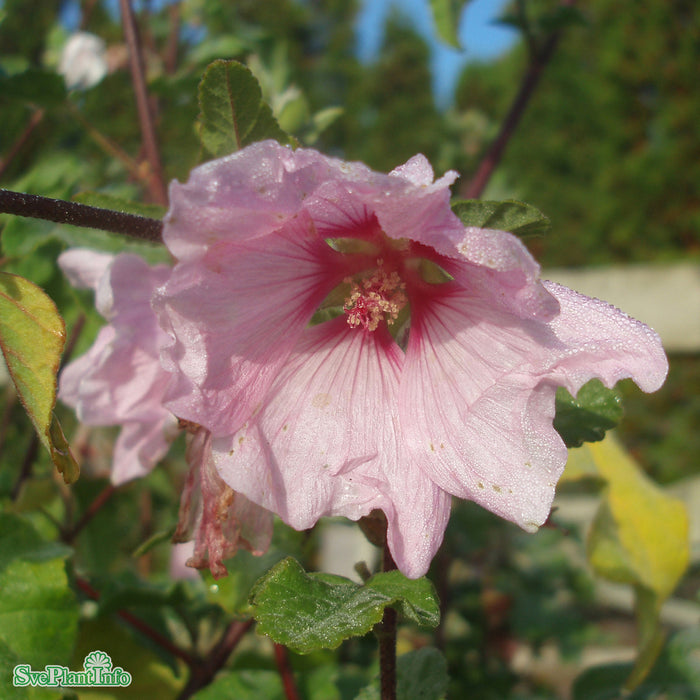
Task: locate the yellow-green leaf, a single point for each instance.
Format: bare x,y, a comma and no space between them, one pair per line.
639,536
32,335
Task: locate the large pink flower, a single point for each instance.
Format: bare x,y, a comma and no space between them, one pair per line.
436,377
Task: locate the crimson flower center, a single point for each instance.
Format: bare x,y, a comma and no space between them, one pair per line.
374,298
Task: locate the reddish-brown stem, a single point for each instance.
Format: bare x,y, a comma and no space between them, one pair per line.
16,147
63,212
138,624
10,403
138,77
203,671
106,145
538,62
386,635
92,510
171,47
26,469
286,673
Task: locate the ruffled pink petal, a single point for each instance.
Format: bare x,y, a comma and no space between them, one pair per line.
473,415
235,316
220,520
602,341
417,170
125,384
496,265
321,443
417,512
246,195
399,207
71,376
123,296
84,267
140,446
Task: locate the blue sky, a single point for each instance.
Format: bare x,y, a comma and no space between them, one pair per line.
480,38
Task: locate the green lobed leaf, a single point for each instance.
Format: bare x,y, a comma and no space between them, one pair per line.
232,111
32,334
446,15
516,217
415,599
232,592
587,417
307,612
38,610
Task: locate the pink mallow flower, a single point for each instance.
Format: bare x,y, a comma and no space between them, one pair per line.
435,375
120,381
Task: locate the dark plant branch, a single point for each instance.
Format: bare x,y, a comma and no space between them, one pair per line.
63,212
138,77
92,510
110,148
539,59
27,464
138,624
35,120
386,635
203,671
171,48
286,674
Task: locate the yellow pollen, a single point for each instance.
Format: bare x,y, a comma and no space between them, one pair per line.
375,298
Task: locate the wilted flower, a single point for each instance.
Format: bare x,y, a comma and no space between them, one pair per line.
219,520
83,61
435,375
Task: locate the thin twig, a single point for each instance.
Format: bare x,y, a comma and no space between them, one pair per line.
10,403
16,147
538,62
138,77
138,624
63,212
171,48
106,145
203,672
386,635
26,469
92,510
285,671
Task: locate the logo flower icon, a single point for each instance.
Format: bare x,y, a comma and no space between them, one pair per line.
97,659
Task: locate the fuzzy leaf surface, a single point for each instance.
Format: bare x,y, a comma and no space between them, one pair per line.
307,612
